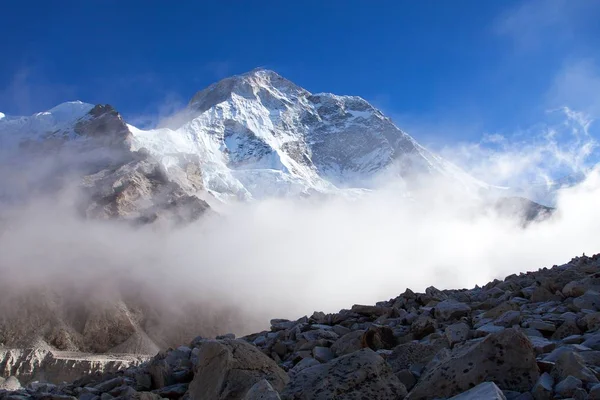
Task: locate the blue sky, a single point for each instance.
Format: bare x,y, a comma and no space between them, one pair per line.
445,71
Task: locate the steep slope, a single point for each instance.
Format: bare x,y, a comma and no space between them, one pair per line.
259,135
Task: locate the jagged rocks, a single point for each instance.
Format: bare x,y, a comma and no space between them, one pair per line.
506,358
227,369
359,375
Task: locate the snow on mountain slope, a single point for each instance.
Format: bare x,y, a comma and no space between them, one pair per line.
259,135
252,136
62,118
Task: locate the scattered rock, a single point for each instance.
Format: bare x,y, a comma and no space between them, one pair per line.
506,358
228,368
360,375
348,343
567,387
543,387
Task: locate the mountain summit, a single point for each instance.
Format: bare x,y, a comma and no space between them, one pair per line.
259,134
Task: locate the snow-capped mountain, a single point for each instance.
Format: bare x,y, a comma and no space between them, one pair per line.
258,135
249,136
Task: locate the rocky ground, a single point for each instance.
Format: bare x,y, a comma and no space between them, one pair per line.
531,336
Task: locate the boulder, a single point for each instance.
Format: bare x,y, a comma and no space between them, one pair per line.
379,337
590,300
571,363
543,388
567,386
359,375
408,354
348,343
262,390
485,390
451,309
508,319
457,333
423,326
11,383
228,368
322,354
506,358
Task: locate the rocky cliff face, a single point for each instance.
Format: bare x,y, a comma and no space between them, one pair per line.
530,336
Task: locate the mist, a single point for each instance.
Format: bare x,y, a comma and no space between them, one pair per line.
234,270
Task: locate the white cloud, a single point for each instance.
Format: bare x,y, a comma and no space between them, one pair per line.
561,147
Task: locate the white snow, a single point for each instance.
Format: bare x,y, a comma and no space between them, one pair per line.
59,119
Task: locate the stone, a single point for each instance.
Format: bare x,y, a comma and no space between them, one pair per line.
303,364
359,375
11,383
590,300
407,378
423,326
542,326
341,330
408,354
541,345
508,319
457,333
110,384
348,343
450,310
490,328
571,363
543,387
227,369
568,328
541,294
379,337
506,358
485,390
595,392
567,386
282,324
591,321
323,354
593,342
262,390
370,311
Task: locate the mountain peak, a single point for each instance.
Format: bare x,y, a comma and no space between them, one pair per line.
252,84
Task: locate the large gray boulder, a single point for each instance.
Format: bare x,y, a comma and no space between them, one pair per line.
451,309
349,343
359,375
227,369
506,357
